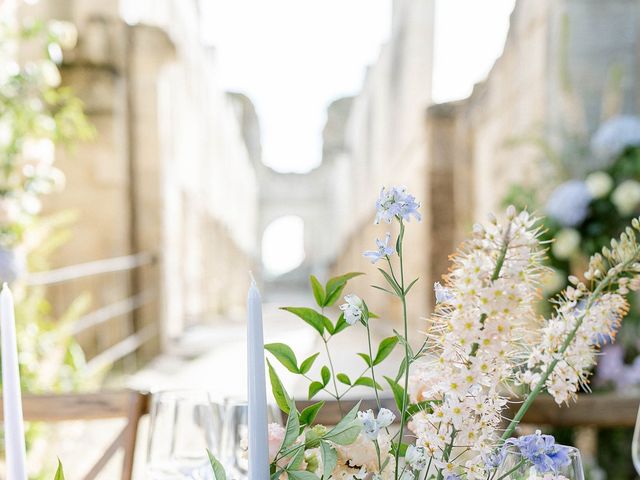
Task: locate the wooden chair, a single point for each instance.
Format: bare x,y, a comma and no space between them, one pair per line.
127,404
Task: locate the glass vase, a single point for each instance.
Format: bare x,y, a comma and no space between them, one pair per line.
516,466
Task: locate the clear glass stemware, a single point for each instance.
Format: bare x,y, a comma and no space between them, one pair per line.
635,444
183,425
516,467
233,452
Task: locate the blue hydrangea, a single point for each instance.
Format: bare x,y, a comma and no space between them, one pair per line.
614,137
569,203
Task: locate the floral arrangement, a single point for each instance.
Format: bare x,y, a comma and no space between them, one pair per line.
583,213
484,339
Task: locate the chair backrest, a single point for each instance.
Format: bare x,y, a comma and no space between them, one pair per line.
127,404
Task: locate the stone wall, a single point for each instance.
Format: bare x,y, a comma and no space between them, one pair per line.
386,142
169,172
460,158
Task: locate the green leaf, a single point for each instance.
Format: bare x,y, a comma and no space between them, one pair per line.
346,434
329,459
285,355
309,315
59,472
301,475
343,378
391,282
335,286
384,290
306,365
292,429
308,415
402,369
314,388
384,349
424,406
279,393
406,290
366,358
328,325
325,373
296,461
318,291
367,382
341,325
218,469
398,393
404,343
347,429
403,448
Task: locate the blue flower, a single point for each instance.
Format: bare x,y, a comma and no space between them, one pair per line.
569,203
384,250
494,459
614,137
542,451
396,202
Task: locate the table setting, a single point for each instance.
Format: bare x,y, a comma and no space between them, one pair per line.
485,346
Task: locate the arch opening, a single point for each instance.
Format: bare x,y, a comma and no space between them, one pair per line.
283,245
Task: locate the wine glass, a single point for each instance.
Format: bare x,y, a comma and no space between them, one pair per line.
183,425
233,452
516,466
635,444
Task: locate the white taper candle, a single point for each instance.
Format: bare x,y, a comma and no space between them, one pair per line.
258,437
11,393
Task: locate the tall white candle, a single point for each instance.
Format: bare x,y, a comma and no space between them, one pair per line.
258,437
11,393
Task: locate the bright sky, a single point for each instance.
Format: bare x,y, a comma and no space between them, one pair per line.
293,57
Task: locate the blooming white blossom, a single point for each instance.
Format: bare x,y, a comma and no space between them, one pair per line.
416,457
615,136
396,202
569,203
371,425
384,249
477,334
360,458
385,418
599,184
567,243
626,197
352,309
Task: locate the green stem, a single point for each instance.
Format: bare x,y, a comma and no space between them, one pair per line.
373,375
333,374
324,389
517,467
405,397
375,442
543,380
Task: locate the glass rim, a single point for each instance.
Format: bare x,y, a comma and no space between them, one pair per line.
186,394
514,450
